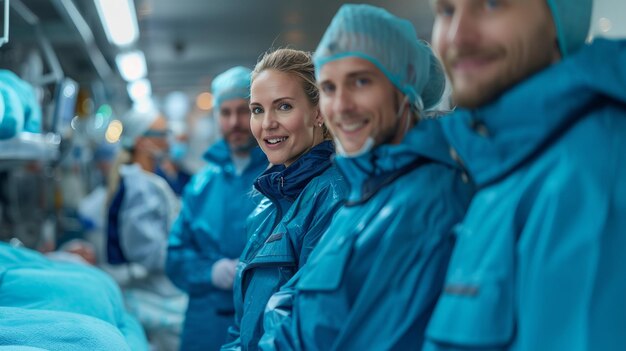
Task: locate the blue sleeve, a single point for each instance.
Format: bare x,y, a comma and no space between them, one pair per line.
187,266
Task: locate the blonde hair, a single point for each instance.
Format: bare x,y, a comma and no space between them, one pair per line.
298,63
123,157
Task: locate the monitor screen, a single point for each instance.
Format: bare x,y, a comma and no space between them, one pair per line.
64,104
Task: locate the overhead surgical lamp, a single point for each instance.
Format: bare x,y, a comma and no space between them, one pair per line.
119,20
132,65
139,90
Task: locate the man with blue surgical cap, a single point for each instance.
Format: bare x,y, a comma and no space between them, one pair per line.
209,234
373,279
540,261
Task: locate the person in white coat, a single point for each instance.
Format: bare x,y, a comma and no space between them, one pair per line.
142,208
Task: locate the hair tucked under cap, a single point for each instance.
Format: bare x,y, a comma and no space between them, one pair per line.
231,84
391,44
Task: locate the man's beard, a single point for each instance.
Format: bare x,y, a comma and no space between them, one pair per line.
243,147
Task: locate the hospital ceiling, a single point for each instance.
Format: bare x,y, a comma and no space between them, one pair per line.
187,42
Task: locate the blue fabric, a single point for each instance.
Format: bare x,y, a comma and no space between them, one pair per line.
58,331
147,213
27,100
177,182
539,262
115,255
12,121
374,278
211,226
35,291
300,202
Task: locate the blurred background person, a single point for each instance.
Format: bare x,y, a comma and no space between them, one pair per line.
141,212
173,168
92,209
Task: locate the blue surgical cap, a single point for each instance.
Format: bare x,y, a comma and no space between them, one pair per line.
231,84
390,43
28,99
572,19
